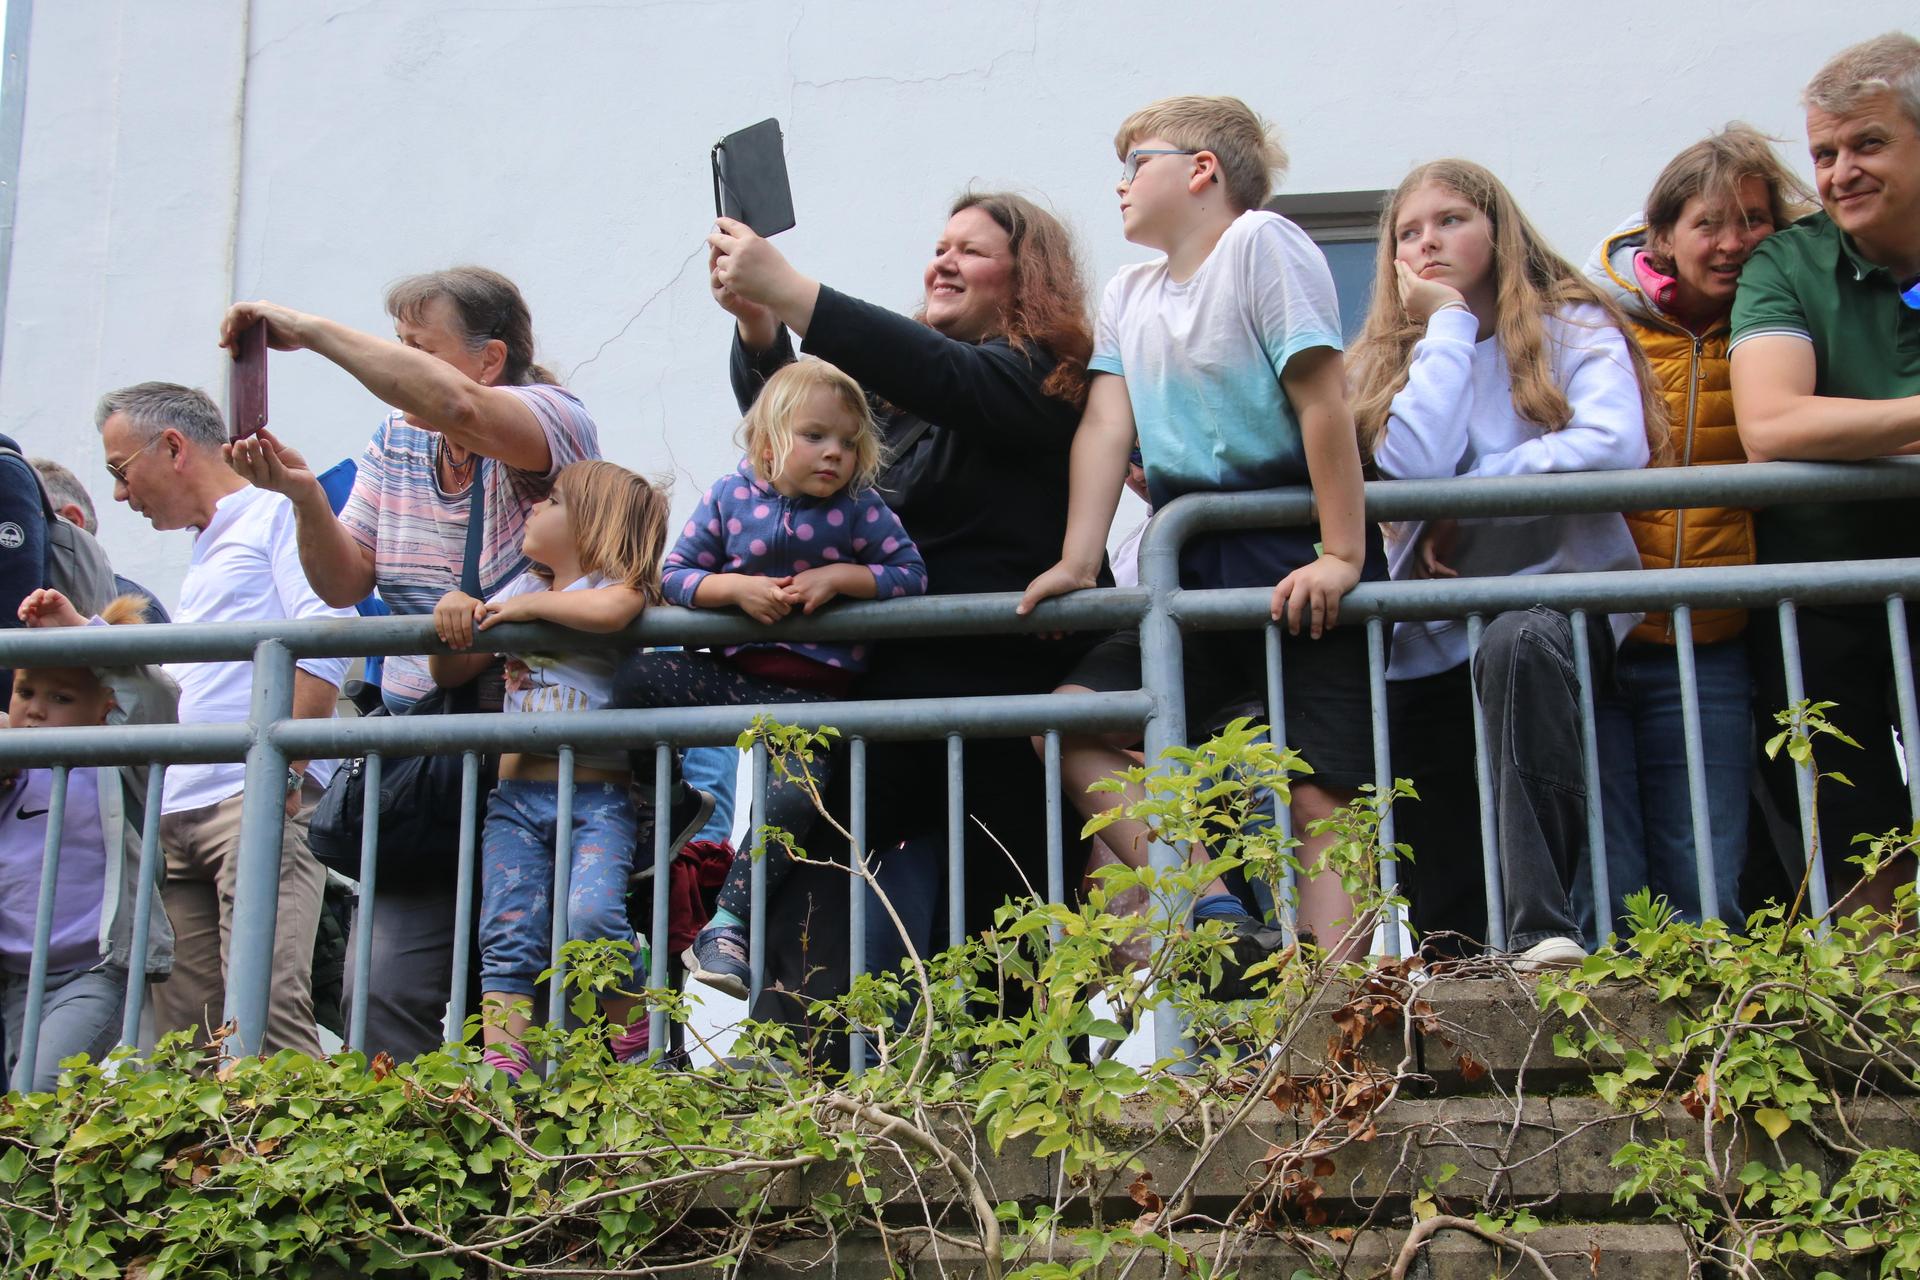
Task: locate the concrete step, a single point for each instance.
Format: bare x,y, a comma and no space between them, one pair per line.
1571,1251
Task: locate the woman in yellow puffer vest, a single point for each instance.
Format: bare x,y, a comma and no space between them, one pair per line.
1674,272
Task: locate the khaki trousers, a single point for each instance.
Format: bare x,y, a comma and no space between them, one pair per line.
202,848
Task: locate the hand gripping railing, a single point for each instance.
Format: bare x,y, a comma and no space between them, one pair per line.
1160,607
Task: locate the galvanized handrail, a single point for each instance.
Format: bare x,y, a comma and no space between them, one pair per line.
1160,606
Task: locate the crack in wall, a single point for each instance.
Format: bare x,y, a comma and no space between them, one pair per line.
634,319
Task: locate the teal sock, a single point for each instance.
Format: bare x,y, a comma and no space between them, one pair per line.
726,917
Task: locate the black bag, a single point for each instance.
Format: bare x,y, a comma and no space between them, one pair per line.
419,800
418,804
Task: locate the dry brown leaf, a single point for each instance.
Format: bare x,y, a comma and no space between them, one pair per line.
1142,1194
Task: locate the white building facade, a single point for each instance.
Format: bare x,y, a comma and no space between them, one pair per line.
181,153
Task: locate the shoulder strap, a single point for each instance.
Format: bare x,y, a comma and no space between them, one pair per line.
476,529
46,499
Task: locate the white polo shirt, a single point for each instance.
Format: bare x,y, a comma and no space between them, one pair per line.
245,568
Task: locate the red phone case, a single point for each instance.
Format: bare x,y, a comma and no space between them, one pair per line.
249,383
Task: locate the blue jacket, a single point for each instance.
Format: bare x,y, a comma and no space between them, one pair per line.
744,525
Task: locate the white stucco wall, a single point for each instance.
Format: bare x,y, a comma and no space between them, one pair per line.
180,153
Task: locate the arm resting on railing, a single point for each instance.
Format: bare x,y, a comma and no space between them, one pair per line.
1780,417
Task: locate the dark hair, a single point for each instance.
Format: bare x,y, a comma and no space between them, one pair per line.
489,306
1048,302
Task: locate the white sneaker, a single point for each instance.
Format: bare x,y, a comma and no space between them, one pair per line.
1550,953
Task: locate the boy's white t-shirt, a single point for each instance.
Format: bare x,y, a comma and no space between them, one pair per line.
1203,358
578,681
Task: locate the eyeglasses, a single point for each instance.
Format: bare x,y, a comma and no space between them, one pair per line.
118,470
1911,295
1134,459
1136,158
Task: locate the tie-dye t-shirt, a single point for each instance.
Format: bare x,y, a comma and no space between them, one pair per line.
418,532
1202,359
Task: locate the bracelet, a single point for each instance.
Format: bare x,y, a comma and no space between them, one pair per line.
1454,305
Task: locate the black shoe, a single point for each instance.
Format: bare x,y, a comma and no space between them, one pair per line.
687,813
1251,941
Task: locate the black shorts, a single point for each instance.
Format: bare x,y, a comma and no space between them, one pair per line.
1328,705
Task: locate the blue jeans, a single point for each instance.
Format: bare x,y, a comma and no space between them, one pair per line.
516,877
716,771
1643,779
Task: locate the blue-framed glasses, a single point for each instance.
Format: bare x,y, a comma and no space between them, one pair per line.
1136,158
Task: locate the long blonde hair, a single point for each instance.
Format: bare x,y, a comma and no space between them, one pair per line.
1531,282
619,524
766,433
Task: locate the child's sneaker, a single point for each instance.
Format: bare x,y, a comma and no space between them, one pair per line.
718,957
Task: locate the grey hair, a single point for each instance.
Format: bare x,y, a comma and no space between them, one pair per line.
1884,64
155,406
65,489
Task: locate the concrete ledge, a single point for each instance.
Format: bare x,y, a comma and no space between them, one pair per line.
1574,1251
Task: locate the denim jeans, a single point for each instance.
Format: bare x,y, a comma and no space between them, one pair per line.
516,877
1531,702
716,771
81,1014
1643,779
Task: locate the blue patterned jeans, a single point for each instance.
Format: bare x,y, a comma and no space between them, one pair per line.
516,877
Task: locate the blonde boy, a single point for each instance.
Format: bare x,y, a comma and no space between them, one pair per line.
1223,358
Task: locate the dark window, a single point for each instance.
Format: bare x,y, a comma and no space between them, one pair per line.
1346,226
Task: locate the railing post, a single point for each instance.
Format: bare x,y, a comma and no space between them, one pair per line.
143,906
263,818
1162,677
42,933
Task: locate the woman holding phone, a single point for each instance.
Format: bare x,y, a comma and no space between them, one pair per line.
477,429
978,394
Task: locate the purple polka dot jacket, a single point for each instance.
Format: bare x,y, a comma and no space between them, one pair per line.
745,526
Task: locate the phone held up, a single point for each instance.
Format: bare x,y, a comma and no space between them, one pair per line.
248,384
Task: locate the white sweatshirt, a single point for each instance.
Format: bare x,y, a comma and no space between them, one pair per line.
1455,417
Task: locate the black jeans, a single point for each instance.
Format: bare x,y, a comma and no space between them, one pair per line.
1846,658
686,678
1530,696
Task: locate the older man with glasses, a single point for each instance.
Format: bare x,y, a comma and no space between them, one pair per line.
163,449
1826,366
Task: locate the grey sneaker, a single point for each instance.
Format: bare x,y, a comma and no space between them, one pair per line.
718,957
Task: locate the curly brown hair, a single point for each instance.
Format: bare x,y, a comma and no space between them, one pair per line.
1048,306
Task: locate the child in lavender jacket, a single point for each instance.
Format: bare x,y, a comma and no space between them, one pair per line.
797,524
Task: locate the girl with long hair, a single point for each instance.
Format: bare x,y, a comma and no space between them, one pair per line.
1486,354
595,546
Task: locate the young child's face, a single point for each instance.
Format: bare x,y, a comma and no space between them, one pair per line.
824,448
57,698
1442,236
1152,200
548,531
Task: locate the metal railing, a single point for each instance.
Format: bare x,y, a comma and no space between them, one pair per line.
1162,610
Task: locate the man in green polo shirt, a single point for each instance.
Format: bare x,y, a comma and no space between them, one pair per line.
1826,366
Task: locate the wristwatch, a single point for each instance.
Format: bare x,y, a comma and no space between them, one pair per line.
295,780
